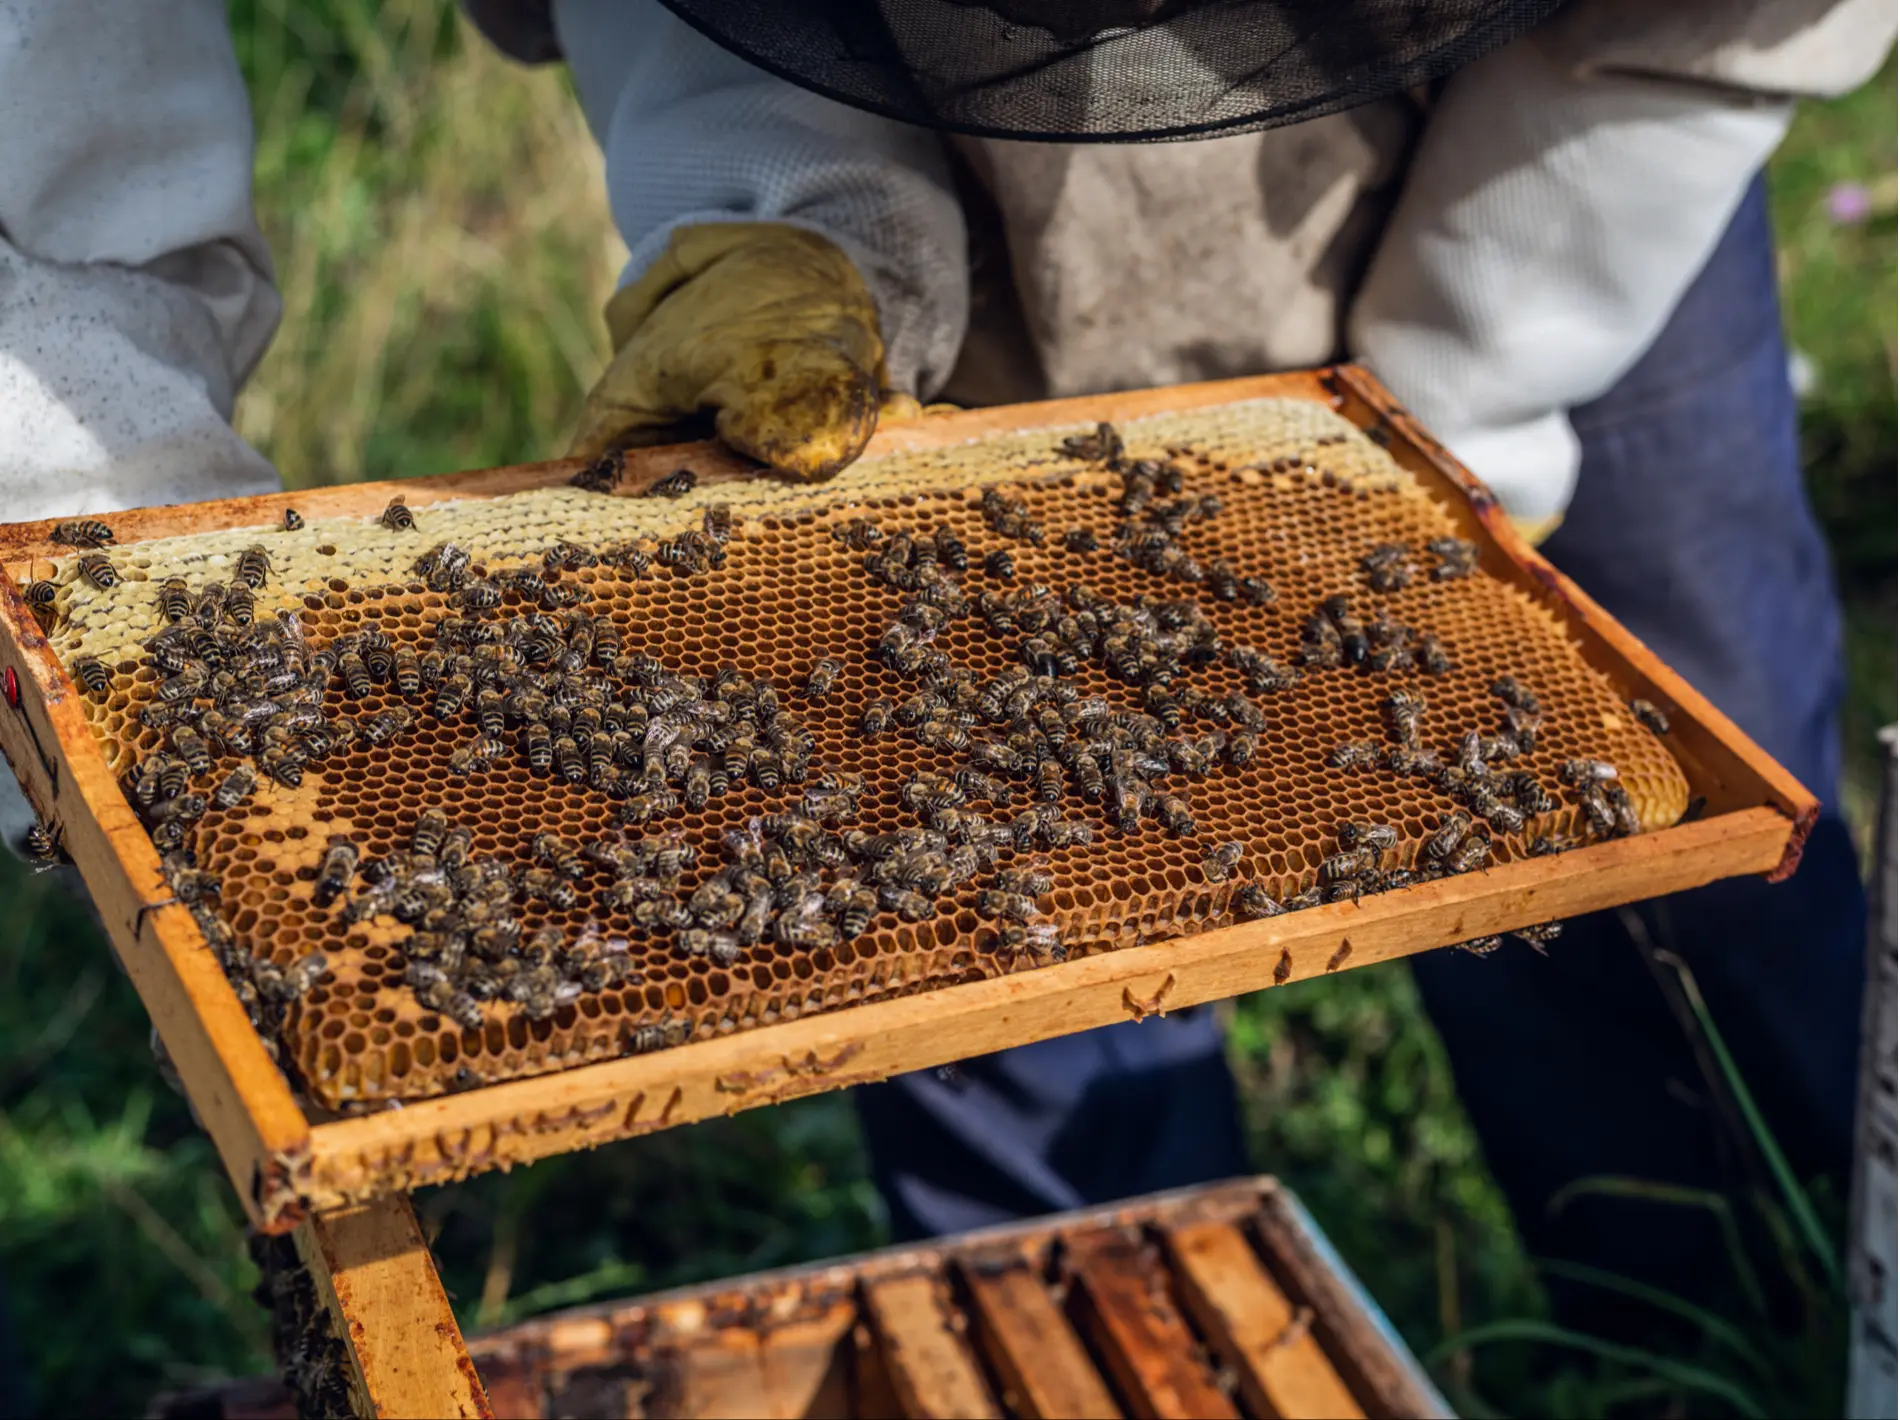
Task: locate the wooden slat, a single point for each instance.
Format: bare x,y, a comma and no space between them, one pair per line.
1123,1306
718,1375
244,1104
776,1372
453,1136
932,1372
1043,1368
1380,1373
872,1395
1251,1325
374,1274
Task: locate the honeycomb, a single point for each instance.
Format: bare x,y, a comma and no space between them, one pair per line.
1303,499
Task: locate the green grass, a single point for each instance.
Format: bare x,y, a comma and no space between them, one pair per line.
444,246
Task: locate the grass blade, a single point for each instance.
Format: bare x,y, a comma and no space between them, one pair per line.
1800,1206
1678,1373
1721,1332
1675,1195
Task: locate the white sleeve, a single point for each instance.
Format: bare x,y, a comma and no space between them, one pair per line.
693,134
135,290
1562,199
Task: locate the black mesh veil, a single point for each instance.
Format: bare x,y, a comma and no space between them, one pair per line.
1108,70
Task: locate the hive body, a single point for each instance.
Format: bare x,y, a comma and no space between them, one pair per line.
1304,497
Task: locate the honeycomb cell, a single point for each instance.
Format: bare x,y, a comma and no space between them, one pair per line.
1303,498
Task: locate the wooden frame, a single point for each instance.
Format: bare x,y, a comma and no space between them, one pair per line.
1077,1313
376,1279
1755,816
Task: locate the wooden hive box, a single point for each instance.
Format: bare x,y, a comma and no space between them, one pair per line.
381,1092
1221,1300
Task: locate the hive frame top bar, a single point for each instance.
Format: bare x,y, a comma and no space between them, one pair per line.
1753,820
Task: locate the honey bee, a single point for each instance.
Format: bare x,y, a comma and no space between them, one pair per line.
235,788
1102,446
950,550
1480,946
474,756
284,766
823,677
337,868
1015,906
1219,862
1000,565
192,749
479,595
397,517
386,725
175,600
1650,717
1430,656
406,670
451,697
44,845
644,808
1628,822
676,484
547,885
97,569
1251,902
293,520
1578,772
185,685
1402,711
90,672
289,983
602,475
1507,689
860,534
437,992
1475,853
356,681
253,567
559,854
83,532
1387,567
1540,936
1449,834
41,594
1456,556
1354,754
1320,645
240,605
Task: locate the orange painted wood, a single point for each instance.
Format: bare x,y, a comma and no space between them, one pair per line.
1035,1353
1251,1325
374,1274
1123,1306
931,1370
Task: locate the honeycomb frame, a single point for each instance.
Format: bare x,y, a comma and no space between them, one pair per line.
804,1048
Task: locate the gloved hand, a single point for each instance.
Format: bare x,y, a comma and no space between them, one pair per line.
769,326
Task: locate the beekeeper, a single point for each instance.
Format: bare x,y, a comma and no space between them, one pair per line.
1543,226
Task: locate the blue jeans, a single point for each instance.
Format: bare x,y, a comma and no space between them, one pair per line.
1691,526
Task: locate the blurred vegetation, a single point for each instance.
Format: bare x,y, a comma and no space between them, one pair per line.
444,248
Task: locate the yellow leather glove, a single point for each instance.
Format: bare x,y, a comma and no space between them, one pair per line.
770,327
1535,530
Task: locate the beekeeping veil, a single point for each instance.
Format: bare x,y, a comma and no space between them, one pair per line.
1108,70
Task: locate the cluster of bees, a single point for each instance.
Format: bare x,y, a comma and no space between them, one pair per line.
542,682
310,1354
